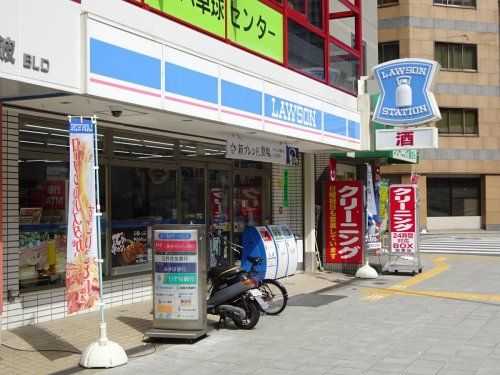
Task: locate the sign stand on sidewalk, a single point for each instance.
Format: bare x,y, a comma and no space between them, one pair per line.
179,282
103,353
404,251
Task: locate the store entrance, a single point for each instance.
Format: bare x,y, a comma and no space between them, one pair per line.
226,199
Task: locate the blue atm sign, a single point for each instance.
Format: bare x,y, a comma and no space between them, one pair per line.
405,92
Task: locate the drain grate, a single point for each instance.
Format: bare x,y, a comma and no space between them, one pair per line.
312,300
380,283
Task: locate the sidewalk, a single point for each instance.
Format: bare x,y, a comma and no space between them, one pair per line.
66,338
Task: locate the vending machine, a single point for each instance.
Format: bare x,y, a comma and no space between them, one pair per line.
281,248
258,242
291,245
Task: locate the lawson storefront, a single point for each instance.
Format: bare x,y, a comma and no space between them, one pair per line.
167,113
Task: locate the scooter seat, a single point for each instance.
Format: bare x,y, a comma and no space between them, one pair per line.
255,260
232,271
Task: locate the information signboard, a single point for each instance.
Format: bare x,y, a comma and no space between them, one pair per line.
179,271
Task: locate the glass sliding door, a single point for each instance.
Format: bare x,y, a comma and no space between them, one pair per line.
248,209
192,190
218,213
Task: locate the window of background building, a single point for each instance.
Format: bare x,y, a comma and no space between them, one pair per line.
453,197
456,56
458,121
388,51
387,2
459,3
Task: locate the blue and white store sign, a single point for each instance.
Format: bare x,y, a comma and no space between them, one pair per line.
405,92
128,67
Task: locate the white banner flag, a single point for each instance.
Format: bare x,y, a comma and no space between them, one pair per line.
82,271
372,226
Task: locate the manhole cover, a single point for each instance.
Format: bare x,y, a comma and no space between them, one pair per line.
380,283
312,300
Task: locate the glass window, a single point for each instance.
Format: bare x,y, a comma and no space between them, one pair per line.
458,121
140,198
388,51
142,147
247,203
469,60
438,197
306,50
343,68
387,2
455,124
199,149
460,3
40,135
470,121
218,213
192,181
298,5
43,197
456,56
315,14
453,197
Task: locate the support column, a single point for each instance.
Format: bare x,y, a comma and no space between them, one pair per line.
1,223
309,202
491,210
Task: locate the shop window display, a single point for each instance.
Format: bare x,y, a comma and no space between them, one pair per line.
140,198
42,222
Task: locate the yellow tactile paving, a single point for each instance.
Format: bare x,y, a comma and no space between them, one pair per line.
440,266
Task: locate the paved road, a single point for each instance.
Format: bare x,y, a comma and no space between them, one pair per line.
443,321
460,245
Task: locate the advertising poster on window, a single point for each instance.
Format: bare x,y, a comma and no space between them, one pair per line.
82,272
344,221
129,246
403,218
220,209
42,255
176,274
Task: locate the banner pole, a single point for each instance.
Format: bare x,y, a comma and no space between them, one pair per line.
99,216
104,353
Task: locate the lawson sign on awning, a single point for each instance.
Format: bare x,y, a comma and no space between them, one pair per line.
128,67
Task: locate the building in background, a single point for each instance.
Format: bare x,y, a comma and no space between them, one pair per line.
171,82
460,181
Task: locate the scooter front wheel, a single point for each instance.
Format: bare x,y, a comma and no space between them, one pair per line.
252,314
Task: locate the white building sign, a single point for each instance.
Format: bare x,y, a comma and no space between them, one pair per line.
407,139
253,149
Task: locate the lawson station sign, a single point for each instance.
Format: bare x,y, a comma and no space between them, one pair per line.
405,92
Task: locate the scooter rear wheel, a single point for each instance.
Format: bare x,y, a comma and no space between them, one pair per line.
252,314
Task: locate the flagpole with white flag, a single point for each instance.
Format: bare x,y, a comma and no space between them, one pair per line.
84,240
368,272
